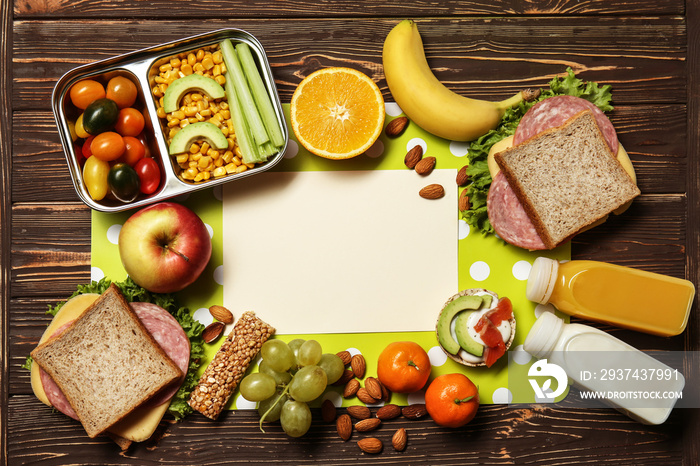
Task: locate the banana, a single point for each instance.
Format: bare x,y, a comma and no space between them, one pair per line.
426,101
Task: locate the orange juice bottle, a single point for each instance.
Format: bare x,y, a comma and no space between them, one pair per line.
621,296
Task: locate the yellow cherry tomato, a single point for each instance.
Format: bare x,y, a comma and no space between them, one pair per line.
95,172
80,129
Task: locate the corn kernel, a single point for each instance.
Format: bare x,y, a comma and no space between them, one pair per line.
204,147
175,62
191,58
224,130
161,112
216,70
173,132
220,79
162,87
200,54
189,174
157,92
238,152
182,158
184,123
173,122
219,171
194,148
237,160
226,114
241,168
165,67
179,114
159,80
207,62
227,157
193,165
195,157
204,162
219,162
186,69
218,57
199,117
230,168
250,165
196,97
199,177
191,111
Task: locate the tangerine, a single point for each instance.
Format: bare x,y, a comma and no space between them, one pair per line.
452,400
403,367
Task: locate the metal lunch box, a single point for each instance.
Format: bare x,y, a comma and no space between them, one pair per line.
141,67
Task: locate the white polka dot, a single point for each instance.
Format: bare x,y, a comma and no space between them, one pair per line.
520,356
479,271
459,149
218,192
113,233
417,142
376,150
353,351
210,230
292,150
437,356
540,308
203,316
502,396
335,398
219,275
521,270
242,403
416,397
392,109
462,229
96,274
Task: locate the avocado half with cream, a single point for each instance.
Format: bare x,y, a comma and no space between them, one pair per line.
459,319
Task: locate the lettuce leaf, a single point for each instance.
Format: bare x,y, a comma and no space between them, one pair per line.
478,171
134,293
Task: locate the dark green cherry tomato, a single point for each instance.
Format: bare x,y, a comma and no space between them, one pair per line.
100,116
123,182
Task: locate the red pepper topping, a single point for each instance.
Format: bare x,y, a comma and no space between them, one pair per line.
489,333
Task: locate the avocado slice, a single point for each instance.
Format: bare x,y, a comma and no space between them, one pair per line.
202,130
465,340
193,82
445,320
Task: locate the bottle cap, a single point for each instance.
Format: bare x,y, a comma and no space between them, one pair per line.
543,335
542,278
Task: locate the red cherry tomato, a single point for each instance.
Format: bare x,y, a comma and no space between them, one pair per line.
134,151
130,122
84,92
144,141
79,155
108,146
149,173
87,152
122,90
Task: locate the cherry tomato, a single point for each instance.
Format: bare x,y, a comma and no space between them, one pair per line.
86,150
123,182
130,122
144,141
122,90
149,173
84,92
79,129
100,116
108,146
79,157
95,172
134,152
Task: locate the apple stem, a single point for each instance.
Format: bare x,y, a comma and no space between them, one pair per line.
187,259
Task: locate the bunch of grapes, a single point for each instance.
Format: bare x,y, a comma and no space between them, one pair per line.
290,376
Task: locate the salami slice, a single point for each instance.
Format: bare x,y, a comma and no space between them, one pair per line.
53,393
171,337
508,217
554,111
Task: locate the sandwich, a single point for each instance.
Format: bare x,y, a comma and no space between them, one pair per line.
112,365
562,173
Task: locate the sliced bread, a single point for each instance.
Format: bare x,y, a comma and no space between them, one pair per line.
106,363
566,178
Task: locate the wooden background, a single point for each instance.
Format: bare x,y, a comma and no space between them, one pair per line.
647,49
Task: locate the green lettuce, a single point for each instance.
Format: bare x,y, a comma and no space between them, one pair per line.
134,293
479,176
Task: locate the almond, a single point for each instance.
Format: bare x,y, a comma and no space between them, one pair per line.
359,412
425,166
212,332
374,388
396,127
413,156
351,388
432,191
221,314
358,365
386,394
367,425
345,378
462,177
344,426
328,411
370,445
399,439
415,411
387,412
365,397
463,203
344,356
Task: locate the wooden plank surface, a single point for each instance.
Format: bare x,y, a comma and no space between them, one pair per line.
647,50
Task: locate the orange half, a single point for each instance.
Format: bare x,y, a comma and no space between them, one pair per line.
337,113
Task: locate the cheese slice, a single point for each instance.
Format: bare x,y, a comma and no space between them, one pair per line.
140,424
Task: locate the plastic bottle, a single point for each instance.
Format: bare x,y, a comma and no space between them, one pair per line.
613,294
628,380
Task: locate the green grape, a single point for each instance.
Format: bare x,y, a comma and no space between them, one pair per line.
295,344
281,378
308,383
333,366
309,353
295,418
278,355
274,413
258,387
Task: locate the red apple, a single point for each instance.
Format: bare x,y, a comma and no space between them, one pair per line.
164,247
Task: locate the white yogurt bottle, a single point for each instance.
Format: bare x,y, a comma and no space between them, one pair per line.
607,368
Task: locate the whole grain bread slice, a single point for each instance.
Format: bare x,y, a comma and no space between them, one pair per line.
106,363
566,178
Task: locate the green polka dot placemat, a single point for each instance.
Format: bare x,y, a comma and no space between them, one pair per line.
484,262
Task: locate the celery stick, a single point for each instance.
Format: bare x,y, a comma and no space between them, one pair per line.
250,111
243,137
260,94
